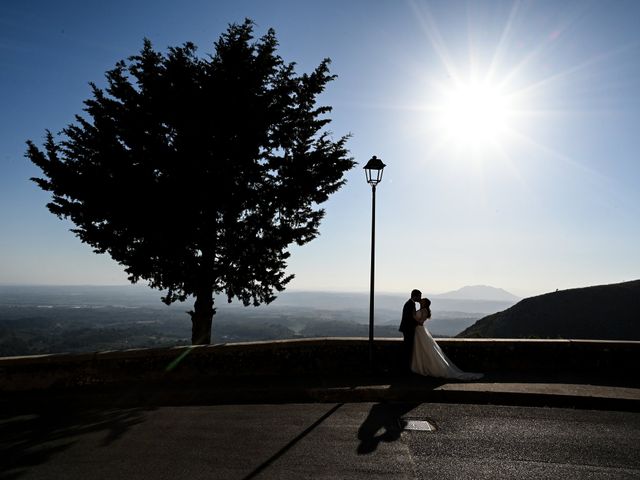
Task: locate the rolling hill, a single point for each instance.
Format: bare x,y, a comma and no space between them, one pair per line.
606,312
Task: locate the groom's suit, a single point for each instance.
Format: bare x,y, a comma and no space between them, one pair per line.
408,328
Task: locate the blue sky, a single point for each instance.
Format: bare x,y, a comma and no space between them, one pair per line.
546,197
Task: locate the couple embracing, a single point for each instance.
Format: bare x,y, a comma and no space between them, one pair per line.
421,353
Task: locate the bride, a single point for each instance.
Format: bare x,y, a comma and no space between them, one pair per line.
428,358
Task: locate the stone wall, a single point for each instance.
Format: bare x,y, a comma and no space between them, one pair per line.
317,357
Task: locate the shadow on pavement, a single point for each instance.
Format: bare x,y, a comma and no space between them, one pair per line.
295,440
30,439
386,417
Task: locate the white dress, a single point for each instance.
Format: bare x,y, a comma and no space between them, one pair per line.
429,359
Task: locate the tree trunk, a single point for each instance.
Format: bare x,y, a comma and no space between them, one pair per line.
202,317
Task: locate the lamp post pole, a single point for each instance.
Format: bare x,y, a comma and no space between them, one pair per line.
373,263
373,170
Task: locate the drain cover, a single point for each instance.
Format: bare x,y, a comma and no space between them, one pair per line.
418,425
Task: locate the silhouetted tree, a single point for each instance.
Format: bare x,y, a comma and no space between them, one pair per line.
197,174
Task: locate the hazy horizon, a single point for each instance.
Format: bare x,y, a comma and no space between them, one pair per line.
297,290
49,319
140,286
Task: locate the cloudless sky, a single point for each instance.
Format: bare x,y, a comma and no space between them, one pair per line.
551,201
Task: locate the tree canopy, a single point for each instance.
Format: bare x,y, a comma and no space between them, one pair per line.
195,173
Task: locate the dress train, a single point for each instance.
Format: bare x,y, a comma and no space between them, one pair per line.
429,359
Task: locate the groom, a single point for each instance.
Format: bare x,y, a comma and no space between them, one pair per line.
408,328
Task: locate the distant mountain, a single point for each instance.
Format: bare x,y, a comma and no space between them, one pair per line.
606,312
480,292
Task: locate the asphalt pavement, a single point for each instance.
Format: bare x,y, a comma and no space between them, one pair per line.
399,440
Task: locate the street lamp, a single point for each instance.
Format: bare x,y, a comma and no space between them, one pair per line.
373,170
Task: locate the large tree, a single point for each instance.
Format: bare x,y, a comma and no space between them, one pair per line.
196,174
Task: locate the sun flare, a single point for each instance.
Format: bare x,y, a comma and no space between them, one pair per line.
474,115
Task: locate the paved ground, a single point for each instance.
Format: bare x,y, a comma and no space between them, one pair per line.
350,427
320,440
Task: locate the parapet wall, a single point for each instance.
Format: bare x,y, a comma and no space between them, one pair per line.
317,357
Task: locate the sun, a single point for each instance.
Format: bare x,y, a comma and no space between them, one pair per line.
473,115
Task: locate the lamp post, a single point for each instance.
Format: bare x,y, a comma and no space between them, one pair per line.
373,170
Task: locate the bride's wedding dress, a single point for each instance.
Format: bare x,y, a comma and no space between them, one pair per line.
429,359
